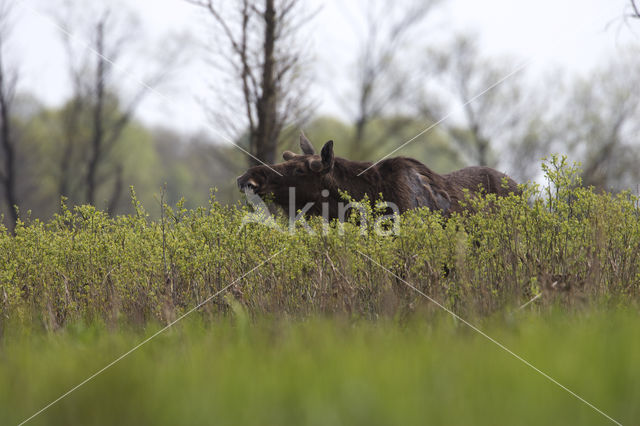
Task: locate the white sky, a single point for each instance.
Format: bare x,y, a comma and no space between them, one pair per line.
574,35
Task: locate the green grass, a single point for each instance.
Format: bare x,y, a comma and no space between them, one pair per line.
325,371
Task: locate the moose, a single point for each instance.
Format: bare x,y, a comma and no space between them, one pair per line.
314,182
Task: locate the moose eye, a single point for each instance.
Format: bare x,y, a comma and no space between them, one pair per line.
298,172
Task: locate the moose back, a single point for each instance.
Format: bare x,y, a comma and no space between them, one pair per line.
312,183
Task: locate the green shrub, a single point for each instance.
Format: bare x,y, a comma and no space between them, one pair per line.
562,242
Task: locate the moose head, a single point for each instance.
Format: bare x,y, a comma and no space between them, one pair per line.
306,175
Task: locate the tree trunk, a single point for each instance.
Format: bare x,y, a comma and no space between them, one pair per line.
363,119
9,175
71,129
266,134
118,186
98,131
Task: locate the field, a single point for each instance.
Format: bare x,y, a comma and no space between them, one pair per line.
345,325
325,371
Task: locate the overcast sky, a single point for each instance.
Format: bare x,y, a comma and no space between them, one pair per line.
571,34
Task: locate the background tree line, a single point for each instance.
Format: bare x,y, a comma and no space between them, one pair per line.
93,148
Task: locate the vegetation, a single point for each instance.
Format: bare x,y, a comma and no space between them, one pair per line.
318,332
330,372
563,242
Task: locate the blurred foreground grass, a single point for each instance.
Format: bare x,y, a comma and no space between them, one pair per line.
330,371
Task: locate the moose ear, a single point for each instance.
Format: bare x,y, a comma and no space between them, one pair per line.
305,145
327,155
288,155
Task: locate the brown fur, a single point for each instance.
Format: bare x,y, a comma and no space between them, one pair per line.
404,181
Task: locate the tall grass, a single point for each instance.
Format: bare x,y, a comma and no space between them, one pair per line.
563,242
330,371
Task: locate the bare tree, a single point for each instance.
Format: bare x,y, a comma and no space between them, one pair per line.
96,103
105,134
71,127
8,142
466,74
382,79
264,62
499,113
71,119
599,124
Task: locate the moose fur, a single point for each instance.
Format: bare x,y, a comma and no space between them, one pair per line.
408,183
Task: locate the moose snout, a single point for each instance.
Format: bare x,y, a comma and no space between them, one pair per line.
246,183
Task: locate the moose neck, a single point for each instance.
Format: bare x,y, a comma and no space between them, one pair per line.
346,176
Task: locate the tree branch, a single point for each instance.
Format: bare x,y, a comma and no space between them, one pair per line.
636,9
263,56
221,21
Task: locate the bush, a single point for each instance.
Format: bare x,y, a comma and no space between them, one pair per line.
561,243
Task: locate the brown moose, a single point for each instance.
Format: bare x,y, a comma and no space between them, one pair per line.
309,181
